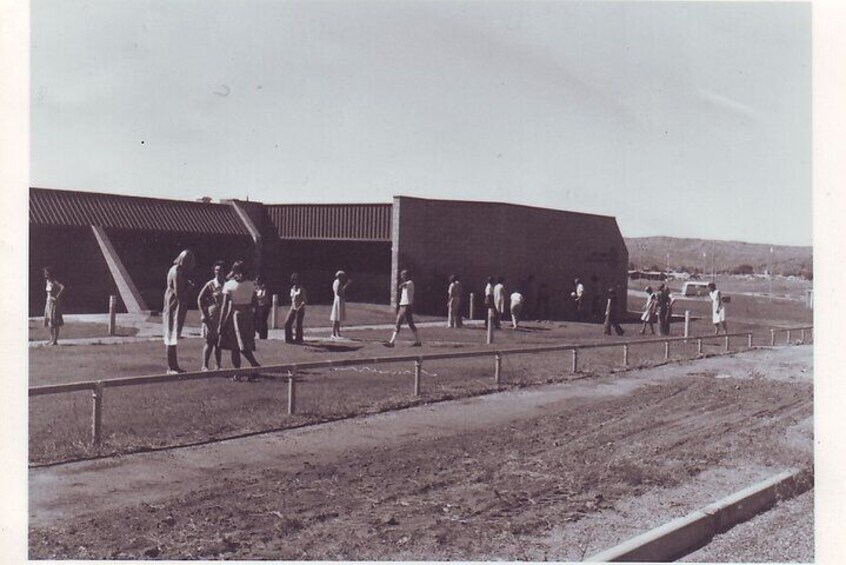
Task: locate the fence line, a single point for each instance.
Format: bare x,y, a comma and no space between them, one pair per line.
292,369
788,331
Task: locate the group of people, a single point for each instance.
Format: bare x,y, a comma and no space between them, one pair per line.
659,307
233,310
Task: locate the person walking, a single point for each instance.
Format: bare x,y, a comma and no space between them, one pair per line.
664,305
454,295
339,313
500,301
648,316
53,319
611,319
578,296
177,289
405,312
262,309
297,311
210,301
718,309
490,308
516,301
237,329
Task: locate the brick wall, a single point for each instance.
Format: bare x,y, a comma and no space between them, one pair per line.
435,238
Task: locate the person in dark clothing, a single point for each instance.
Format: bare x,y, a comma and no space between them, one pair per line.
665,309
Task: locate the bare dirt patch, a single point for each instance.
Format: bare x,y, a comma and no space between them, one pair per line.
552,472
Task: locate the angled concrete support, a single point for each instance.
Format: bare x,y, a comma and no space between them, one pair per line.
255,233
126,287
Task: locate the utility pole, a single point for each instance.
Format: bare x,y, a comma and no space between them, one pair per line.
770,271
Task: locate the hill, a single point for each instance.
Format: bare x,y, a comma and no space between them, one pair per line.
703,255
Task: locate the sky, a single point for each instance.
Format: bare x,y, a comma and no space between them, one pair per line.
689,119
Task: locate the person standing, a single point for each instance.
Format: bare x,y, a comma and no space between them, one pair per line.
210,301
237,329
578,296
454,296
611,319
648,316
177,288
405,311
499,300
490,308
339,313
297,311
718,309
262,309
516,300
664,305
53,319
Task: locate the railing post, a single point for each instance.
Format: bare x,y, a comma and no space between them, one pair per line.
575,368
727,342
803,336
292,391
472,305
625,355
772,338
97,414
498,367
418,365
490,326
112,314
788,337
687,323
699,346
273,312
749,340
667,350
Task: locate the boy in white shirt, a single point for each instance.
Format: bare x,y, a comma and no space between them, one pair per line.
516,308
405,310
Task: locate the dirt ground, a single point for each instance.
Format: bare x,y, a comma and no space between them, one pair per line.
555,472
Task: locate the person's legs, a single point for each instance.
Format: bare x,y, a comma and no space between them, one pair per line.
172,360
397,327
289,324
235,356
336,329
54,335
207,352
300,316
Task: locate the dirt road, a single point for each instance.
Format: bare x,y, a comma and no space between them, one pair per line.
554,472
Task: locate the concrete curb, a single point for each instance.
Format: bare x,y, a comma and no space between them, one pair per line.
684,535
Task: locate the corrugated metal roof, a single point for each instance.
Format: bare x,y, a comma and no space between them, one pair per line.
348,222
71,208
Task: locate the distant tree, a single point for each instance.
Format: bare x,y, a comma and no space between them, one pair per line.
743,269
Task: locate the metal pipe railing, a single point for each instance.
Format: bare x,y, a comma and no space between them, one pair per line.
292,369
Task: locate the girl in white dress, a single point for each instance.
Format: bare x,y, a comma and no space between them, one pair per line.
718,309
177,289
339,314
648,316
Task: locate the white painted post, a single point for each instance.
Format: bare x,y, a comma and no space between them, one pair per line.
490,326
472,305
749,340
687,323
699,346
498,368
727,342
575,360
418,364
112,314
625,355
273,312
803,336
772,337
788,337
97,414
292,392
667,350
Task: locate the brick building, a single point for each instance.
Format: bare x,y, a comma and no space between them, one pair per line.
102,244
